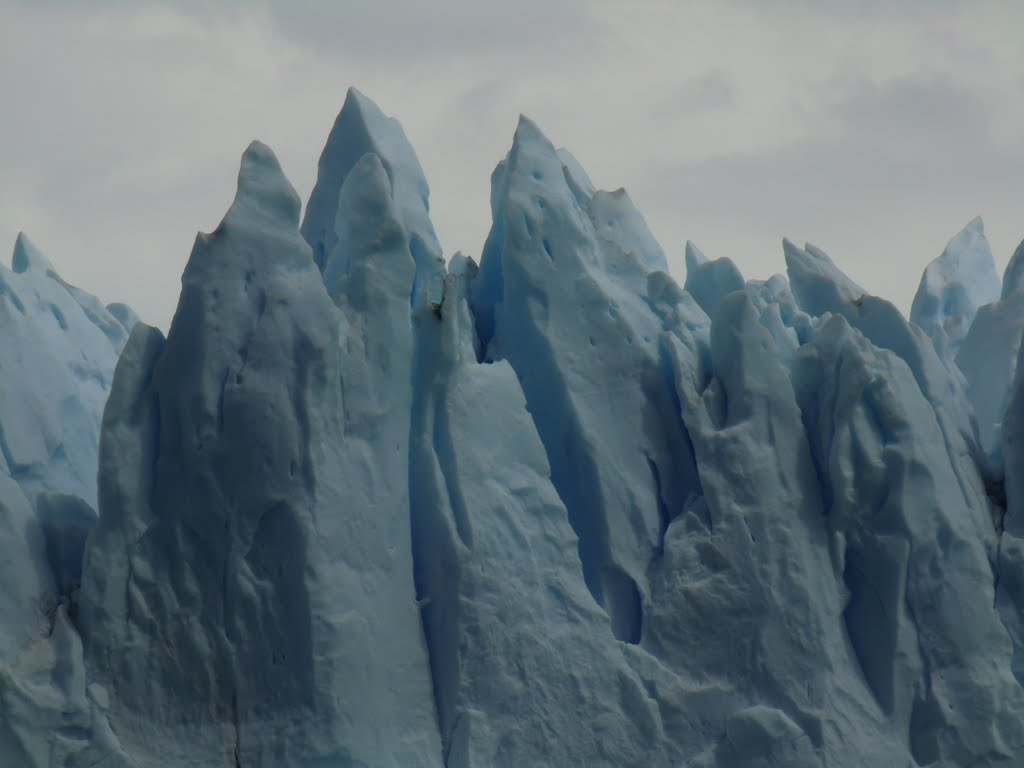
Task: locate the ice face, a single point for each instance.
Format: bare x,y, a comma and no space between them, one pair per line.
988,358
820,288
526,670
710,281
362,128
273,521
57,355
953,287
359,508
908,552
58,349
560,303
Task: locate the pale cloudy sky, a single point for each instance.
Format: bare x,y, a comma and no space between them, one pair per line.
873,129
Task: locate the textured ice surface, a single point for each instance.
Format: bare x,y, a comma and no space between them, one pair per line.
954,286
710,281
918,616
820,288
567,308
248,591
58,348
363,508
988,357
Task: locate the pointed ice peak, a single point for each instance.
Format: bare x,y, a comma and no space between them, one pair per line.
709,281
535,167
360,128
974,226
462,265
357,100
817,253
265,198
953,287
694,256
788,247
1013,277
531,141
817,283
369,228
28,258
366,193
527,130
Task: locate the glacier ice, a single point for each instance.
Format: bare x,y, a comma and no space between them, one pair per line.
57,357
58,350
261,567
954,286
710,281
366,506
987,357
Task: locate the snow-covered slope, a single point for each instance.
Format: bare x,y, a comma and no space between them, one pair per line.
363,507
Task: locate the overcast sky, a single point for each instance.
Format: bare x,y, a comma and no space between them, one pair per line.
874,133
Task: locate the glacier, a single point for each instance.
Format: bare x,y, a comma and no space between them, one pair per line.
369,504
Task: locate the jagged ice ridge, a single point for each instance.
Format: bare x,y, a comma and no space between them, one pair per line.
368,506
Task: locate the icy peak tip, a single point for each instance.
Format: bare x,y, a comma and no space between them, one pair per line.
263,185
790,249
694,256
527,131
28,258
975,225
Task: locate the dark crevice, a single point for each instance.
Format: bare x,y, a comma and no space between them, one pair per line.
925,716
5,290
237,752
220,400
664,517
875,569
436,555
445,452
997,571
547,250
303,355
623,603
154,451
65,522
13,466
59,317
574,472
418,251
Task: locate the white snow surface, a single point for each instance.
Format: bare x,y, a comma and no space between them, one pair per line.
363,507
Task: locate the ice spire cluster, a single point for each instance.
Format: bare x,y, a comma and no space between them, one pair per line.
368,506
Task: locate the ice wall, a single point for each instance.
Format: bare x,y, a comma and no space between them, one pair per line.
361,507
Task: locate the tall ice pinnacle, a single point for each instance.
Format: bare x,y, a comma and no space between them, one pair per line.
246,584
363,509
954,286
362,128
566,305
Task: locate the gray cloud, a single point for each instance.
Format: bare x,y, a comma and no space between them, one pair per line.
874,133
894,170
